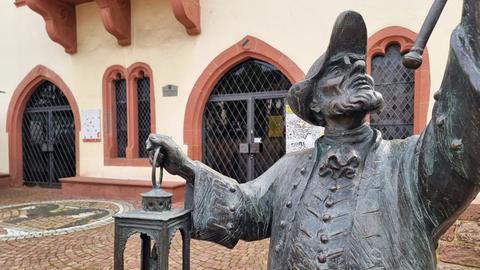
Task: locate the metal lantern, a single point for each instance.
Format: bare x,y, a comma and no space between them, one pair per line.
157,221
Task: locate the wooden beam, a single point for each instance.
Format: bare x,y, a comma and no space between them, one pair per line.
187,13
60,20
116,18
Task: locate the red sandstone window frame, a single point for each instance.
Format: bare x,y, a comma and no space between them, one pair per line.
131,75
246,48
378,43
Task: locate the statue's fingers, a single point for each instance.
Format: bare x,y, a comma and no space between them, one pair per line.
160,160
162,140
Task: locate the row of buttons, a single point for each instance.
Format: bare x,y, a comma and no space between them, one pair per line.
329,203
288,204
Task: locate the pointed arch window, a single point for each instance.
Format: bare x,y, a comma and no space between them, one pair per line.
144,113
396,83
406,92
129,115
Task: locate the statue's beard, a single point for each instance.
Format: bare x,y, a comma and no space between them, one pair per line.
363,100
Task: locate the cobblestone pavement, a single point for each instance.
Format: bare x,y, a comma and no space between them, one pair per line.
93,248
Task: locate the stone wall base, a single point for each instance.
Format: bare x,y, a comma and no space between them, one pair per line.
4,180
106,188
459,247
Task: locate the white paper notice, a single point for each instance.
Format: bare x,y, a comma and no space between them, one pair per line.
300,134
91,124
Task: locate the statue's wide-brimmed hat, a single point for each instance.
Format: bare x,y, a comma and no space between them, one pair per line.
349,35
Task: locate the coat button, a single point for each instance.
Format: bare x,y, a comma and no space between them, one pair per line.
232,208
303,171
324,238
333,188
456,145
288,204
440,121
329,203
326,217
322,258
233,189
283,224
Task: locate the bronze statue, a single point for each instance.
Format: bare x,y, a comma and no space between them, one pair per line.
354,201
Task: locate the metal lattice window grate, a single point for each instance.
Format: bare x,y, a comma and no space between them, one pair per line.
48,137
247,106
144,118
270,126
63,138
121,116
225,129
396,83
251,76
47,95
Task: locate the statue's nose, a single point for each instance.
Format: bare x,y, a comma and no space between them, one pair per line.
358,66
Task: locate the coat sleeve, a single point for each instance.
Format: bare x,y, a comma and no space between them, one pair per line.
449,149
225,211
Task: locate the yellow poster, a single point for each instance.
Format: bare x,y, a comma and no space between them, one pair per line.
275,126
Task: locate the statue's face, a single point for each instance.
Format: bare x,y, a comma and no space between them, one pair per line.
345,88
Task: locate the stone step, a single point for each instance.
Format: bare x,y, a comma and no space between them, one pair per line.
4,180
124,189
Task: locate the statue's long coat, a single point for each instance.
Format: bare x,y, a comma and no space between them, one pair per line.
405,193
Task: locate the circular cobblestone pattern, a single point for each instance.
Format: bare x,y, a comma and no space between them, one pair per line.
39,219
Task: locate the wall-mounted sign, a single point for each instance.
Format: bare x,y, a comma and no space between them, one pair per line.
275,126
299,134
170,90
91,125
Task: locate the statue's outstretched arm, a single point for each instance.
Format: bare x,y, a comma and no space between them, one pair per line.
224,211
449,149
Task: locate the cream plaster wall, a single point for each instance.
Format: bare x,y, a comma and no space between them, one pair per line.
300,29
24,44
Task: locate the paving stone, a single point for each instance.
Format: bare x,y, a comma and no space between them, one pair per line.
93,248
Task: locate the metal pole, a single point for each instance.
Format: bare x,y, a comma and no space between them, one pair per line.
413,59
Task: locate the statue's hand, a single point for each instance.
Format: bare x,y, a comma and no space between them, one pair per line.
171,157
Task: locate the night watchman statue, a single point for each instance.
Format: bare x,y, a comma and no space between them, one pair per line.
355,201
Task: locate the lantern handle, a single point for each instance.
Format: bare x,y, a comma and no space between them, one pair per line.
154,171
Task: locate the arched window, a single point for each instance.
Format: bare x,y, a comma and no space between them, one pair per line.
244,120
48,137
396,83
121,126
128,114
406,92
144,113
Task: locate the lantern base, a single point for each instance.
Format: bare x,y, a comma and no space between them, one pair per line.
157,226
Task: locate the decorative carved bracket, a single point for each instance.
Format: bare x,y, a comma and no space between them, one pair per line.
60,20
116,17
187,13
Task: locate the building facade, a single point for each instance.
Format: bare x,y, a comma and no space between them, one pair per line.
83,83
208,73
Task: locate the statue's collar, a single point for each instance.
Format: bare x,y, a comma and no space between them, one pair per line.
357,135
